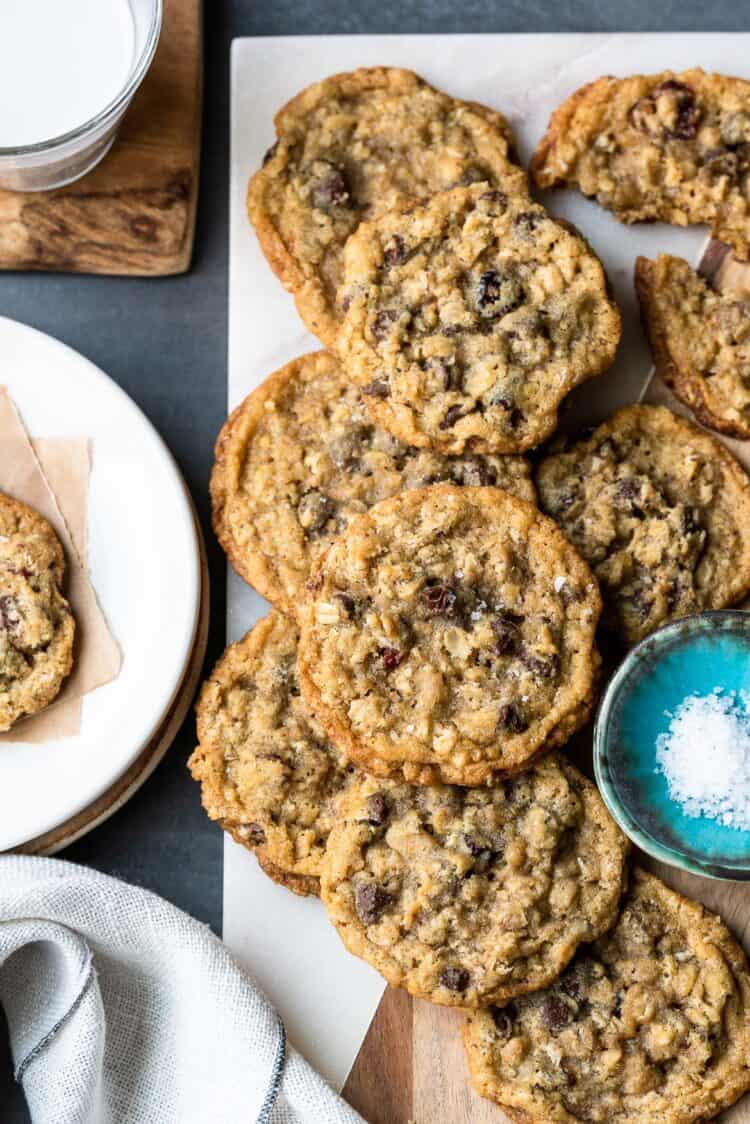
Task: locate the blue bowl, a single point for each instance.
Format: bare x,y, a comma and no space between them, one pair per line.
694,655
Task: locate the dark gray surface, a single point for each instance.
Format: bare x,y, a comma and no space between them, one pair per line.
165,343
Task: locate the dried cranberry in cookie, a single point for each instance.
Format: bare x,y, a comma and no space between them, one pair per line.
470,896
672,147
491,313
471,650
351,147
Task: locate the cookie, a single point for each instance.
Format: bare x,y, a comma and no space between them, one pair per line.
450,636
470,896
36,625
469,318
700,340
351,147
304,885
649,1025
266,769
661,512
672,147
300,457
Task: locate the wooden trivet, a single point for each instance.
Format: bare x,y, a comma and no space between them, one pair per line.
135,213
142,768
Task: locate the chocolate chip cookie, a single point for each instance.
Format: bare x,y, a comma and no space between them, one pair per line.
450,636
661,512
267,772
649,1025
353,146
700,339
36,625
473,314
469,896
672,147
300,457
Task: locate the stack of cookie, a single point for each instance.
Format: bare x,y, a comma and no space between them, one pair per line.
388,737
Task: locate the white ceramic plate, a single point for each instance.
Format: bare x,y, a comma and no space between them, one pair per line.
144,563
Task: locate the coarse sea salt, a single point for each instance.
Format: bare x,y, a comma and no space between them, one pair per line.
705,757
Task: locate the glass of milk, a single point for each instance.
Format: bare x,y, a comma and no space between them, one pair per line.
68,71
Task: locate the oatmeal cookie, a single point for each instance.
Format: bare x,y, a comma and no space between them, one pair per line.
471,896
304,885
469,318
300,457
36,625
267,771
649,1025
700,339
672,147
450,636
661,512
351,147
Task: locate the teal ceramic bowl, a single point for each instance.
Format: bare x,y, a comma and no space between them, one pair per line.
694,655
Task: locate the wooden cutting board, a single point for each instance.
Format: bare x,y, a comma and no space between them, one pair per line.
411,1068
135,213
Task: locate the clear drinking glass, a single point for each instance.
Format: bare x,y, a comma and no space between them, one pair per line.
60,160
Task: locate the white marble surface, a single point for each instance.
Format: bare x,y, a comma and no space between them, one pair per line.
326,997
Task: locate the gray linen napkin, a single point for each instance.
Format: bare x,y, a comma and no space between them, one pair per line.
124,1010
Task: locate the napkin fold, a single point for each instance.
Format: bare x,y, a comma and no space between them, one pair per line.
124,1010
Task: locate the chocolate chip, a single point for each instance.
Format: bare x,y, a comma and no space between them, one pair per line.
439,600
504,1019
452,414
347,602
391,658
330,188
377,809
455,979
270,153
515,416
371,902
383,322
556,1013
314,510
497,294
527,222
378,388
505,626
511,719
255,834
395,252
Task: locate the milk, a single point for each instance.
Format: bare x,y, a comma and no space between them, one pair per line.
61,63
